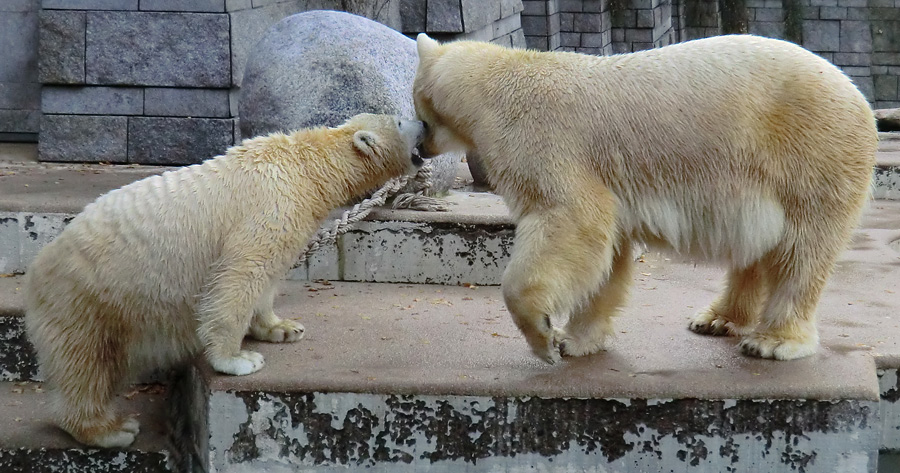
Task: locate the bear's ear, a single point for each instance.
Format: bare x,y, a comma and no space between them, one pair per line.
425,45
366,142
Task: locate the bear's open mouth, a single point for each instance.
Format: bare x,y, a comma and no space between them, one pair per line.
417,159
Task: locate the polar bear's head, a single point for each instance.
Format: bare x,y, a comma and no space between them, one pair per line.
439,95
390,144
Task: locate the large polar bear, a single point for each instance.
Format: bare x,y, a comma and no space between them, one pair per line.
747,151
165,267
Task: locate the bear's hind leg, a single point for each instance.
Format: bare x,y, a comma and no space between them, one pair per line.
591,324
84,398
787,327
268,327
737,308
560,256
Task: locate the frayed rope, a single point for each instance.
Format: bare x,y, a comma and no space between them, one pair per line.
414,200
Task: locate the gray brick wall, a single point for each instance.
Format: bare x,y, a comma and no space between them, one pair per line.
862,37
157,81
146,81
541,24
497,21
20,91
697,19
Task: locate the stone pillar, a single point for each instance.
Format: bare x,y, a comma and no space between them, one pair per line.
496,21
585,26
540,22
20,92
698,19
639,24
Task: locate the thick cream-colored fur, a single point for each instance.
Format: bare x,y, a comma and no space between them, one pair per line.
746,151
187,261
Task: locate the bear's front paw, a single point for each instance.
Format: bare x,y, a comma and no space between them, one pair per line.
547,348
283,331
707,322
778,348
572,345
244,363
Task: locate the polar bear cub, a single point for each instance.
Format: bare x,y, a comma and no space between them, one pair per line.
187,261
746,151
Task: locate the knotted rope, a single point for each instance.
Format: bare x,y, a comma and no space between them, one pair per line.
415,200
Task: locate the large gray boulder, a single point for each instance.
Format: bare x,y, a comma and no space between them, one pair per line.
319,68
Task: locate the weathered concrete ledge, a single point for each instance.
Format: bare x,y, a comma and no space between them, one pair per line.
30,443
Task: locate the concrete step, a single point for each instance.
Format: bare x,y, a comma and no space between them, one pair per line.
435,378
29,443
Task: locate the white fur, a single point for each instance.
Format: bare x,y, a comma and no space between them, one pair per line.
742,150
172,265
734,231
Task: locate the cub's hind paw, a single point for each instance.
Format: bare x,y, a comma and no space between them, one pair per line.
130,424
112,439
244,363
283,331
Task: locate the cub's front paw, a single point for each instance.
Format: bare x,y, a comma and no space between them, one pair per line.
244,363
283,331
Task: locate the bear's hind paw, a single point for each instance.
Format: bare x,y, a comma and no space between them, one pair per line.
574,346
765,346
244,363
113,439
283,331
130,424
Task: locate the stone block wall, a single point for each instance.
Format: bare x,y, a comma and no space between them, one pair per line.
20,91
862,37
664,23
158,81
697,19
585,27
146,81
541,24
766,18
496,21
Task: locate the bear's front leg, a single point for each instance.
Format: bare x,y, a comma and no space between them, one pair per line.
561,256
268,327
224,315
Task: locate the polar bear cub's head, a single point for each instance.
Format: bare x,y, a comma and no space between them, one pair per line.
379,137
